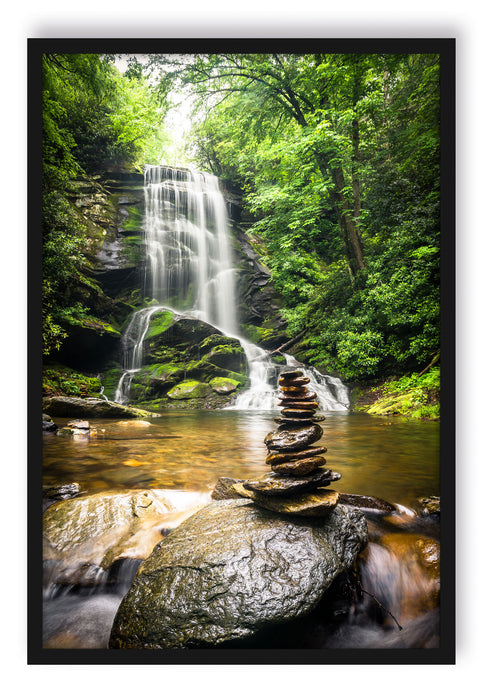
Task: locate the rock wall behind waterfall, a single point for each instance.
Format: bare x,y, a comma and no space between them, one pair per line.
112,209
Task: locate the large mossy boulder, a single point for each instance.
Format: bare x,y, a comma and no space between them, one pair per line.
232,570
189,389
188,363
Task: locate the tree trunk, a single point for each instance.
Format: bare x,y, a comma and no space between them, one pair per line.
349,228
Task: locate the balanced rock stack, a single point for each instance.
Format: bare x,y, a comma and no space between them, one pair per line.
298,473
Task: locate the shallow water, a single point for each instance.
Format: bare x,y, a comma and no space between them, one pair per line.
185,452
394,459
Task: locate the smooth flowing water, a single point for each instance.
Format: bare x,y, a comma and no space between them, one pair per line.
189,269
393,459
185,452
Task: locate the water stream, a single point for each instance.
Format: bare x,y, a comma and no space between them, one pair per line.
189,270
182,454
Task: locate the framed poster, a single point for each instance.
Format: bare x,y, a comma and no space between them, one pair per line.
241,275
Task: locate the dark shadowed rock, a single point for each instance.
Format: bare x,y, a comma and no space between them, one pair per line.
294,422
61,492
368,502
428,507
304,405
231,570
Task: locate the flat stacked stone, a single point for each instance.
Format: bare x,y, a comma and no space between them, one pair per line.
295,483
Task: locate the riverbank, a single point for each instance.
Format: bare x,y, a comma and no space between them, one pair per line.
412,396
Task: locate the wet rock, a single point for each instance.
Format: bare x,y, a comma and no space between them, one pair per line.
428,507
272,484
313,504
293,422
49,426
304,405
297,413
299,466
99,528
72,431
280,457
61,492
79,424
297,396
290,374
70,406
224,489
292,440
229,571
367,502
290,390
287,384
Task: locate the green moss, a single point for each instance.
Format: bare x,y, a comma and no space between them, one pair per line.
159,323
134,219
238,377
63,381
96,324
412,396
252,333
189,389
221,385
215,340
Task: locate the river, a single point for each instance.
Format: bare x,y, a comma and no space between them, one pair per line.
185,452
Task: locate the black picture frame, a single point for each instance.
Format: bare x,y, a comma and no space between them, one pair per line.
445,654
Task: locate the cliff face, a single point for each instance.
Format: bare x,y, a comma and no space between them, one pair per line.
112,207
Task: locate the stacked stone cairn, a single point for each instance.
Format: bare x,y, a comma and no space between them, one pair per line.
298,473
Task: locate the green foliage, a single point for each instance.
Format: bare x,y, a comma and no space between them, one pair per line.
337,156
92,117
413,395
63,381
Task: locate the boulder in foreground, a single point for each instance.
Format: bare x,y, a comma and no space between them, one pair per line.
233,569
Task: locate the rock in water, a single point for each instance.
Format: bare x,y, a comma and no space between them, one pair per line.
273,484
231,570
299,466
293,440
317,503
279,457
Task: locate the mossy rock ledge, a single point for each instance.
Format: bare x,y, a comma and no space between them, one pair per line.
187,364
75,407
199,589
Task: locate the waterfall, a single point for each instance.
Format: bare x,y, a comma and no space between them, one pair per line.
188,262
189,269
187,245
263,383
132,349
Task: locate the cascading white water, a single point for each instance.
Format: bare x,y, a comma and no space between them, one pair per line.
189,268
188,261
187,245
132,349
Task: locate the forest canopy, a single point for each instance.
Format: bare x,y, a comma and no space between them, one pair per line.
336,158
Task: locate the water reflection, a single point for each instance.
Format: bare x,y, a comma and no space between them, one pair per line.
394,459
